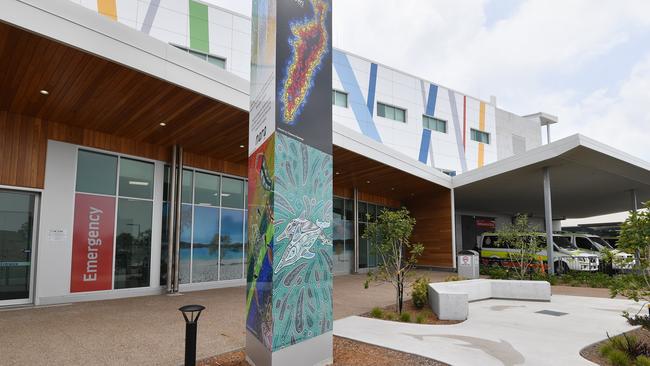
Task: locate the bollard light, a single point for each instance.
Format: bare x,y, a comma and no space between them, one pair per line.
191,314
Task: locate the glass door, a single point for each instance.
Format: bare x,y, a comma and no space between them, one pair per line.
16,243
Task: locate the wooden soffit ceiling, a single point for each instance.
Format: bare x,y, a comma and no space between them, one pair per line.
90,92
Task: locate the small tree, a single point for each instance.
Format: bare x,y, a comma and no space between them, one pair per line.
635,238
522,237
397,256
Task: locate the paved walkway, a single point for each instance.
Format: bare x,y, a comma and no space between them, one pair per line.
502,332
150,330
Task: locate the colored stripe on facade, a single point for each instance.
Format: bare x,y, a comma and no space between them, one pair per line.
457,129
372,86
199,34
107,8
355,97
481,126
152,9
424,145
431,101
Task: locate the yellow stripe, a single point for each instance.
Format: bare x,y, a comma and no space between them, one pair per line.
107,8
481,126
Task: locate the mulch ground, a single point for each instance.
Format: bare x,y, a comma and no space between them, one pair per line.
408,307
346,353
592,352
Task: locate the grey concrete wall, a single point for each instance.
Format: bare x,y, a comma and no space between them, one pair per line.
509,125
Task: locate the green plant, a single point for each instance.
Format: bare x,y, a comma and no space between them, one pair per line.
454,278
390,316
420,319
366,284
618,358
405,317
521,237
377,313
629,345
420,292
605,349
642,361
642,320
396,255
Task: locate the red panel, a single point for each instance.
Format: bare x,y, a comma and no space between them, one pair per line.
92,243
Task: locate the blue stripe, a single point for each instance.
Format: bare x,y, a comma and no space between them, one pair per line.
355,97
431,102
372,85
424,145
150,16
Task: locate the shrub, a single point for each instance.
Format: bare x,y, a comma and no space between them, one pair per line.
420,319
420,292
454,278
405,317
629,345
642,361
377,313
605,349
642,320
618,358
390,316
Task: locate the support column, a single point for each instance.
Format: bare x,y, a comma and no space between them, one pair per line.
355,222
171,214
454,250
635,201
289,273
548,216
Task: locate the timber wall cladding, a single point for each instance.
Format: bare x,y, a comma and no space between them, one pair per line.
432,213
23,145
23,149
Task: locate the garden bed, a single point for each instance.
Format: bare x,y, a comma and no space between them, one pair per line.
346,353
415,315
595,354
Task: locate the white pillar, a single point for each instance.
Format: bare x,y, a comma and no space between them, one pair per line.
548,216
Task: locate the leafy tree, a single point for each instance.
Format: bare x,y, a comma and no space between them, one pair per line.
635,238
397,256
523,238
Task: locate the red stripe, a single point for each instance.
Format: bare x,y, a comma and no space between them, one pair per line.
464,121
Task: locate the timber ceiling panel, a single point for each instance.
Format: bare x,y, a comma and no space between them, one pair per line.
355,170
94,93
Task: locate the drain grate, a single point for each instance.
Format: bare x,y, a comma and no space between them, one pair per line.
550,312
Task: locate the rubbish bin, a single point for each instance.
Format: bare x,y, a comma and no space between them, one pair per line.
468,264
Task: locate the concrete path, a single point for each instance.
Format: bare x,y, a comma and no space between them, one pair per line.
502,332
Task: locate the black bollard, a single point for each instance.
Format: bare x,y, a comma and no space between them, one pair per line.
191,314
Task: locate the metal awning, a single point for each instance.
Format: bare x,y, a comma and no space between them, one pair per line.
588,178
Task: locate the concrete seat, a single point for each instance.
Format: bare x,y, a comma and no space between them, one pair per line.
450,300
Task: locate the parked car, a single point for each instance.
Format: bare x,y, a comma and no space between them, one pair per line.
566,257
594,244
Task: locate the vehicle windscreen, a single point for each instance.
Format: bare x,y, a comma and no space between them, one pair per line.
563,242
600,241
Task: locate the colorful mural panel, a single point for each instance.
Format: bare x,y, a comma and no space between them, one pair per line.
259,294
302,262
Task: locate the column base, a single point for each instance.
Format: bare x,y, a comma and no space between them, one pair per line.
317,351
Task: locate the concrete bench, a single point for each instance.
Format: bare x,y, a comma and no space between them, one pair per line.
450,300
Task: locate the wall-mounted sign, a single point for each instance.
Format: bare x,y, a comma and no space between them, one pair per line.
57,235
486,224
92,243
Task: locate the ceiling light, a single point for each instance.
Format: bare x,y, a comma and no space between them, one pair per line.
337,173
163,124
392,188
242,146
367,182
138,183
44,92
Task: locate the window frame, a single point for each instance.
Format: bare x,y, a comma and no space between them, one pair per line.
476,132
437,121
395,108
334,93
205,55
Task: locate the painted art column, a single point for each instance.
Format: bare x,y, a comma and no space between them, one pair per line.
289,273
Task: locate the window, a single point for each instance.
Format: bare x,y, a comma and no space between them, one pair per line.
583,243
490,242
213,228
480,136
434,124
96,173
390,112
215,60
339,98
136,179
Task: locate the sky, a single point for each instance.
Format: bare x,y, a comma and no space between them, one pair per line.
585,61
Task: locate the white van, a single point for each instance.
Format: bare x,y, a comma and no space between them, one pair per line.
566,257
594,244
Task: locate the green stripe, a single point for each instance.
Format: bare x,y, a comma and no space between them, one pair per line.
199,34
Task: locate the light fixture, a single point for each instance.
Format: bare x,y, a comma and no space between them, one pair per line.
138,183
392,188
223,194
44,92
163,124
367,182
241,146
337,173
